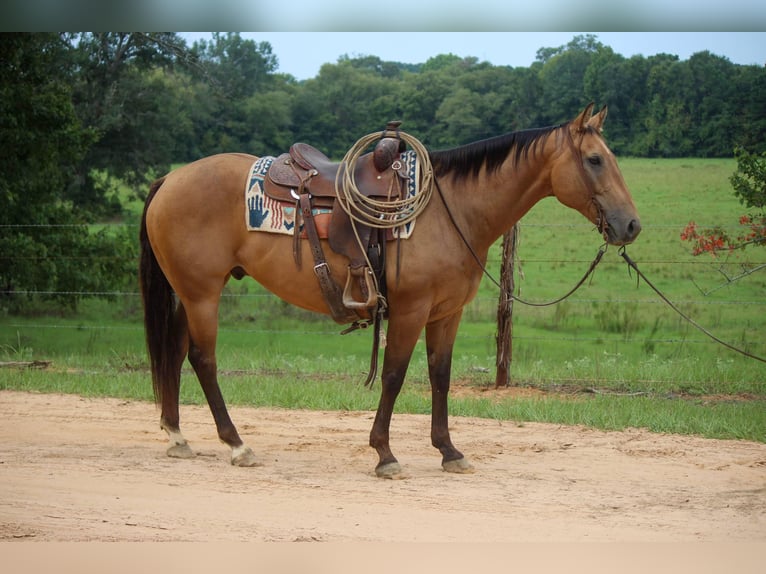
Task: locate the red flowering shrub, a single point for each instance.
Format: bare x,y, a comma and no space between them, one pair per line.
749,183
716,239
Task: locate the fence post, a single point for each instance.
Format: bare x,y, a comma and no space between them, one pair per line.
505,309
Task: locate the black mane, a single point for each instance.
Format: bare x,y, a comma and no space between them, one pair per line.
460,162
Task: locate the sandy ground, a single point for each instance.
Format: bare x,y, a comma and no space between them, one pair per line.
79,469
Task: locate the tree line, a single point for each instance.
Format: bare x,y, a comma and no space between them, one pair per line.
82,114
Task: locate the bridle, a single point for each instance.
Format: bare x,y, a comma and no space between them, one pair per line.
601,225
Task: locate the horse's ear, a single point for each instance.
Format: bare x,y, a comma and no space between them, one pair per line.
597,121
580,123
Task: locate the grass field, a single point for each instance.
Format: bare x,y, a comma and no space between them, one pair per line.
612,356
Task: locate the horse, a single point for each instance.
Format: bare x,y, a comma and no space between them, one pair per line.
194,239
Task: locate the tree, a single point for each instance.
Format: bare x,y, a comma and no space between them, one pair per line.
620,84
521,93
237,66
749,183
666,119
343,103
45,248
124,96
459,117
244,105
715,124
421,96
562,77
749,103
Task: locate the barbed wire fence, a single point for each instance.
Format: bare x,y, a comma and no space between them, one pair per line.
613,310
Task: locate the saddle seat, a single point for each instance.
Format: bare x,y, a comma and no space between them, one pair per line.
305,168
307,178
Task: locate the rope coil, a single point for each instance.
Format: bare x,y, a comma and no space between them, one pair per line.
389,213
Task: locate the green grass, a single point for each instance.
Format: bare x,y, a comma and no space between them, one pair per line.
612,356
293,387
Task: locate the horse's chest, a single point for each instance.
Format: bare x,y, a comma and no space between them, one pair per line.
452,295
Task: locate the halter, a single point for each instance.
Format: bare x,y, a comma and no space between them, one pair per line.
601,223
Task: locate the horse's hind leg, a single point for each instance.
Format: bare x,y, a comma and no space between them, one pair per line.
169,420
203,329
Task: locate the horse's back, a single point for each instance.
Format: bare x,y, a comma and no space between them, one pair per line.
224,168
197,226
201,189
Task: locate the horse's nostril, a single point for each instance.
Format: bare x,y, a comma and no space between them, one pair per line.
634,228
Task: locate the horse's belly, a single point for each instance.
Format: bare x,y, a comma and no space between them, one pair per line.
269,260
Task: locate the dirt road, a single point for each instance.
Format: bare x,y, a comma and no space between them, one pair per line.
78,469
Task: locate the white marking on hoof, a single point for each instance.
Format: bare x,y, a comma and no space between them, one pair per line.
392,470
459,466
244,456
178,448
180,451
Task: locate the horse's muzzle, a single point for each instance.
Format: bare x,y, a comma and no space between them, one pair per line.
623,233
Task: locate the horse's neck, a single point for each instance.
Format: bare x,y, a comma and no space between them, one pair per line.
489,205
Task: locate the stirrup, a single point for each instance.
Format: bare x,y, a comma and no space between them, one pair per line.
372,292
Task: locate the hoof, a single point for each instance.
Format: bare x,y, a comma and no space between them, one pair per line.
392,470
244,456
459,466
181,451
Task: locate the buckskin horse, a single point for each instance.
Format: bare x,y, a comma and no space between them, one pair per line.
194,239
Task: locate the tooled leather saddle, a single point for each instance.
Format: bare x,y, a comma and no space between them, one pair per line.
307,177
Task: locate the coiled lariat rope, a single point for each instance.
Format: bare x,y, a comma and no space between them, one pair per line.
394,211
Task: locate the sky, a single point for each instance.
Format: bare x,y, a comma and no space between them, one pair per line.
301,54
413,15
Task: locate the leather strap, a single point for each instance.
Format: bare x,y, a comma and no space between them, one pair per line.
304,179
331,292
601,222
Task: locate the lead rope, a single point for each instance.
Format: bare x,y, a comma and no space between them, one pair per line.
483,268
632,265
602,226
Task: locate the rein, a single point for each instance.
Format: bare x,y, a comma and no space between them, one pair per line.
632,265
602,225
594,263
484,270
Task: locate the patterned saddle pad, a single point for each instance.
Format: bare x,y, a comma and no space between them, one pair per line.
262,213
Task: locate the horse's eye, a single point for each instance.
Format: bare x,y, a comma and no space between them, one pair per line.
594,160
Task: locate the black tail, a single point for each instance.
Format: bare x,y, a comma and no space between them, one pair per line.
159,309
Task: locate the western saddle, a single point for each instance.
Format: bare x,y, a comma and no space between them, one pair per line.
307,177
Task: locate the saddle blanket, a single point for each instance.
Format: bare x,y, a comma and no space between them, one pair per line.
263,213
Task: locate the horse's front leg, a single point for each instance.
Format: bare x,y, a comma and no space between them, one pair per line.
402,337
440,339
